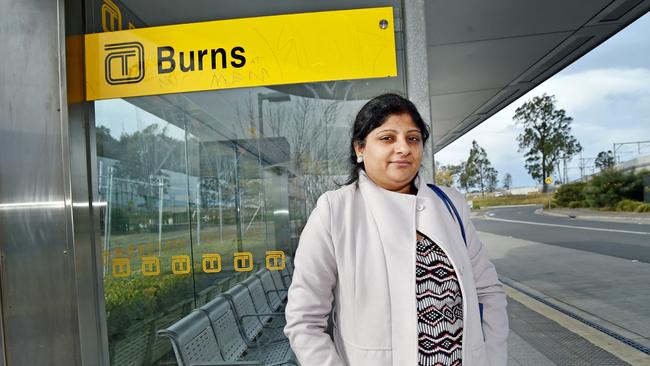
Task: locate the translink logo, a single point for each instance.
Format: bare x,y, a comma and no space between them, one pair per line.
124,63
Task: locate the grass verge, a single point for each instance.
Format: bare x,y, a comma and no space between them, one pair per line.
511,200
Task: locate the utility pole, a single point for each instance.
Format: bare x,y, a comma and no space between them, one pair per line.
582,168
617,146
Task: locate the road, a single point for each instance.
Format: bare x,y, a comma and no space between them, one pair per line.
597,270
618,239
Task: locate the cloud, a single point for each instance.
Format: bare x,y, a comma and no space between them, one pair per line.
581,91
607,105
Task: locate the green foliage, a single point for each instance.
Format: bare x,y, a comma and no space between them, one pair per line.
632,206
133,299
551,204
507,181
546,137
627,205
446,174
645,207
605,160
478,171
609,187
570,193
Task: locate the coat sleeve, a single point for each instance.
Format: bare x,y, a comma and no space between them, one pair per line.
311,292
489,290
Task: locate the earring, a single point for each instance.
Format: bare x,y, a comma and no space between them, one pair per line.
360,159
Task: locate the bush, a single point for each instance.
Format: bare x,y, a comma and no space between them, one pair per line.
577,204
644,207
552,204
569,193
611,186
131,300
628,205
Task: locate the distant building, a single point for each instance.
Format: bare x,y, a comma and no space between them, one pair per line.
523,190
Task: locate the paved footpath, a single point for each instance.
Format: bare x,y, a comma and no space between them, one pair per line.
611,292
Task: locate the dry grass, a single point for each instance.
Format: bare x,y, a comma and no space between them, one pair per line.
524,199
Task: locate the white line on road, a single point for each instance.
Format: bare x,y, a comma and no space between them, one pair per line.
570,226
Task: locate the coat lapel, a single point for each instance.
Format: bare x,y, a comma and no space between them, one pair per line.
394,215
435,221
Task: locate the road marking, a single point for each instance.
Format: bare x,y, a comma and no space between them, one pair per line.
569,226
596,337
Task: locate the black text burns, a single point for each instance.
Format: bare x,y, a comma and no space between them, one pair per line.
196,60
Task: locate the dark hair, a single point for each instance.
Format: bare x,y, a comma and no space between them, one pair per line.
372,115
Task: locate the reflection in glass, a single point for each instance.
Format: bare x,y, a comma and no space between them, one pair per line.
143,180
191,185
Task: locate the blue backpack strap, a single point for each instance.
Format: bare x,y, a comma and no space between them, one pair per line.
451,208
454,212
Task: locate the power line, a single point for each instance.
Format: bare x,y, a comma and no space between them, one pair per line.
642,147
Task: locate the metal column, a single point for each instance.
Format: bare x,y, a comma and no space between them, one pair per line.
417,72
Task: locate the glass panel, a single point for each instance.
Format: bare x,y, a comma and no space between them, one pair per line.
187,194
195,182
146,240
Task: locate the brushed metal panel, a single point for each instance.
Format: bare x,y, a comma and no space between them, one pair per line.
38,283
93,341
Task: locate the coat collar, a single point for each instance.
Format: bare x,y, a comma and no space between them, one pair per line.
394,212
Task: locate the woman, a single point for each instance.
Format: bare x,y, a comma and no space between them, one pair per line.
390,261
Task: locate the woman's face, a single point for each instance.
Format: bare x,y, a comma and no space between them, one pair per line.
392,153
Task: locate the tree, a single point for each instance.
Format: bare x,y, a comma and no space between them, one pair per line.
605,160
507,181
478,171
464,177
492,182
546,137
446,174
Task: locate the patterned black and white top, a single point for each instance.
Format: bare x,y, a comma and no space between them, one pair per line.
440,307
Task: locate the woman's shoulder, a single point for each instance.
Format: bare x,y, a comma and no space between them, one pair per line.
454,194
336,197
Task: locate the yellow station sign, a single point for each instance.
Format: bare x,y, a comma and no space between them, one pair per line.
271,50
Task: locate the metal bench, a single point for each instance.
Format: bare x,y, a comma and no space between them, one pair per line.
194,341
257,327
211,336
234,347
287,272
242,326
276,297
260,300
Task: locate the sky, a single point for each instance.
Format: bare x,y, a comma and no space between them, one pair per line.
606,92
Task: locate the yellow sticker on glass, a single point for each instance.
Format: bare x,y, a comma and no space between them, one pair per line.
275,260
243,261
181,264
150,266
211,263
121,267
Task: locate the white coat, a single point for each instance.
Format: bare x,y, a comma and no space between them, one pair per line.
357,253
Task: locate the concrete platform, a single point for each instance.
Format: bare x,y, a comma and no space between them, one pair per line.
610,292
538,341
